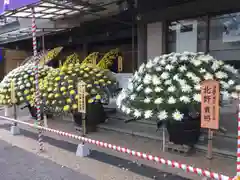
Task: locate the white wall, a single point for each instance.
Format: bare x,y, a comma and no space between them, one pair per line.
186,41
154,39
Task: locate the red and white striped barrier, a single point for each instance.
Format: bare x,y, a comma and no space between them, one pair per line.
37,93
238,144
173,164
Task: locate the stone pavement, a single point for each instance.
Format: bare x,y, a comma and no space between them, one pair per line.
19,164
99,165
101,156
218,164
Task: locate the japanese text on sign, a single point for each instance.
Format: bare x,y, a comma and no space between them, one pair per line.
210,104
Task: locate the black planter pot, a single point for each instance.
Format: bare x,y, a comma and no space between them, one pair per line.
94,116
33,112
184,132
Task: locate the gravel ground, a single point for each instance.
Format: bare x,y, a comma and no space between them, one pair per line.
18,164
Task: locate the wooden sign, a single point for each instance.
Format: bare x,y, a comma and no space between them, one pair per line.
13,93
120,63
82,97
210,104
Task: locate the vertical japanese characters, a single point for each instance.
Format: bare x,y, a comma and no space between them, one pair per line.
210,104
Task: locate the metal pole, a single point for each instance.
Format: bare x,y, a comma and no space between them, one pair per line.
15,113
133,47
210,138
37,93
164,138
43,43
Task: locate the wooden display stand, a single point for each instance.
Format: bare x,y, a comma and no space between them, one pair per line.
82,149
14,128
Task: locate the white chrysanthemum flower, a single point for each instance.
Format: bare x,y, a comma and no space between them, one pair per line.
28,85
19,83
136,75
141,68
221,75
168,82
158,68
147,79
156,59
122,95
128,111
158,101
163,62
197,87
197,97
231,69
133,96
202,70
176,77
22,87
156,80
162,115
139,88
169,67
25,76
171,100
182,82
171,89
165,75
190,75
185,99
184,58
182,68
187,53
208,76
158,89
123,108
177,115
215,66
147,100
196,62
186,88
196,79
231,82
224,84
174,59
177,54
149,64
148,90
148,114
220,62
137,113
164,56
237,88
235,95
206,58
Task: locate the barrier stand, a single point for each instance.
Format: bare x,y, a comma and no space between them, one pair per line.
14,128
82,149
210,99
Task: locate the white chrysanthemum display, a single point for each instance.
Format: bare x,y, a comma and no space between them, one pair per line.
23,78
172,82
